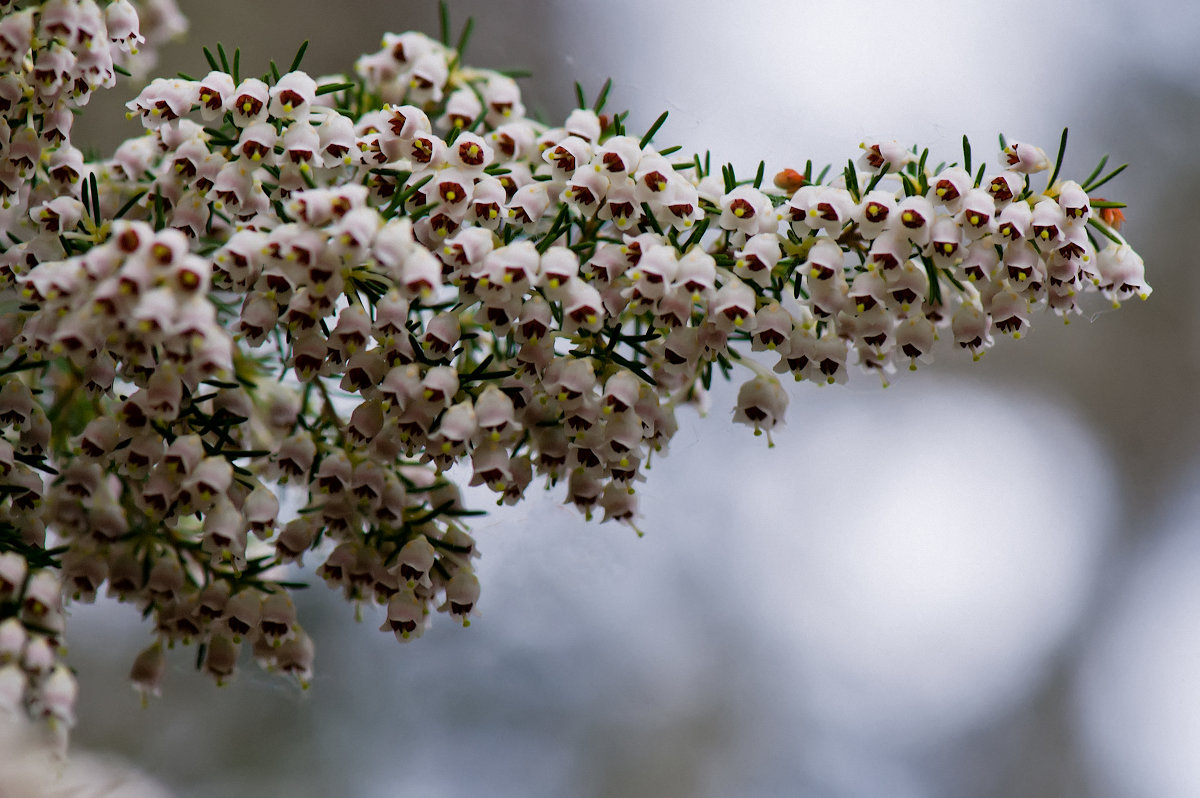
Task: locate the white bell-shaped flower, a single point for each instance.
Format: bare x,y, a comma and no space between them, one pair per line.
1025,158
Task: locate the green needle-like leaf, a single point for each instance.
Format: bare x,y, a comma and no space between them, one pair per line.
646,139
1093,186
602,98
1062,151
299,56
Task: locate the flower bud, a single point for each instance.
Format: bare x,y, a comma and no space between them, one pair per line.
148,670
55,697
220,660
462,591
405,616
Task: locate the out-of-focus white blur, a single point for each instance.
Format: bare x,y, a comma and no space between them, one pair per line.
32,765
787,81
1137,696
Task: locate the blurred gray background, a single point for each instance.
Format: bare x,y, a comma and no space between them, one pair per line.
980,582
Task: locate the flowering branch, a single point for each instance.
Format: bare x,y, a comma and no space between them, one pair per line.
332,291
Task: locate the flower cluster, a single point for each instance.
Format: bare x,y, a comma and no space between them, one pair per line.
338,290
53,55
